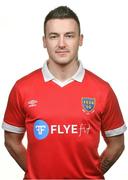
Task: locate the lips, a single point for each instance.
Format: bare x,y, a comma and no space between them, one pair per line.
62,52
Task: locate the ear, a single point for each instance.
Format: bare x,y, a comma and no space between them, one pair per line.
81,40
44,41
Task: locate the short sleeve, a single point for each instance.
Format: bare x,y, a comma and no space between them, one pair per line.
14,118
112,119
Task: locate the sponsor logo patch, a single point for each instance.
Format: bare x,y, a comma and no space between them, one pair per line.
41,129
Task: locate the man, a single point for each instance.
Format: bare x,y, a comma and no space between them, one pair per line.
63,108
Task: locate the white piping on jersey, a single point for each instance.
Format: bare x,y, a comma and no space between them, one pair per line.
116,132
78,76
11,128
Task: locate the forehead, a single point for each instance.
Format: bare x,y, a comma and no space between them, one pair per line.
61,26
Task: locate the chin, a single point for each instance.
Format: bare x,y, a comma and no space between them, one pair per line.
62,61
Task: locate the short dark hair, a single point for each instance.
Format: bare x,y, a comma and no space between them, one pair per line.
61,12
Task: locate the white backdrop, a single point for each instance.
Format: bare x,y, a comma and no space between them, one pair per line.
105,52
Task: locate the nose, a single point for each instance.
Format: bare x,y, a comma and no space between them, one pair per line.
61,42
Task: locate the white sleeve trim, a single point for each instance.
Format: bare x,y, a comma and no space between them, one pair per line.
116,132
11,128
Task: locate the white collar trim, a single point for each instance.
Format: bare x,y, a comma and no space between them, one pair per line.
78,76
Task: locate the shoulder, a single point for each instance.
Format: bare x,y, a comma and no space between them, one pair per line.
29,80
95,81
94,77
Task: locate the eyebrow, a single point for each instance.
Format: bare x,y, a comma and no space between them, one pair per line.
55,33
72,32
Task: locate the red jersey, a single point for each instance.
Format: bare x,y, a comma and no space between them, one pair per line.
63,124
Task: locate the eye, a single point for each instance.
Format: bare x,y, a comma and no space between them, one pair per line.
53,37
69,35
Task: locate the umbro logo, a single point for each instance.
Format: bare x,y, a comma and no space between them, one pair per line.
32,103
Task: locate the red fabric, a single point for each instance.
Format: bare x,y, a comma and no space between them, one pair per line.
68,151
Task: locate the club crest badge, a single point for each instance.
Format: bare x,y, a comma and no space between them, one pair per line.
88,104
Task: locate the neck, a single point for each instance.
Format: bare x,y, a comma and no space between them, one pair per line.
63,72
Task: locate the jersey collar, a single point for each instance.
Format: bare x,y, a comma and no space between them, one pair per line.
78,76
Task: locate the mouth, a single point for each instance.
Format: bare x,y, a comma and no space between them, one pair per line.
62,52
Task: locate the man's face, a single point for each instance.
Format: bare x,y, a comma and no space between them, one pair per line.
62,40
